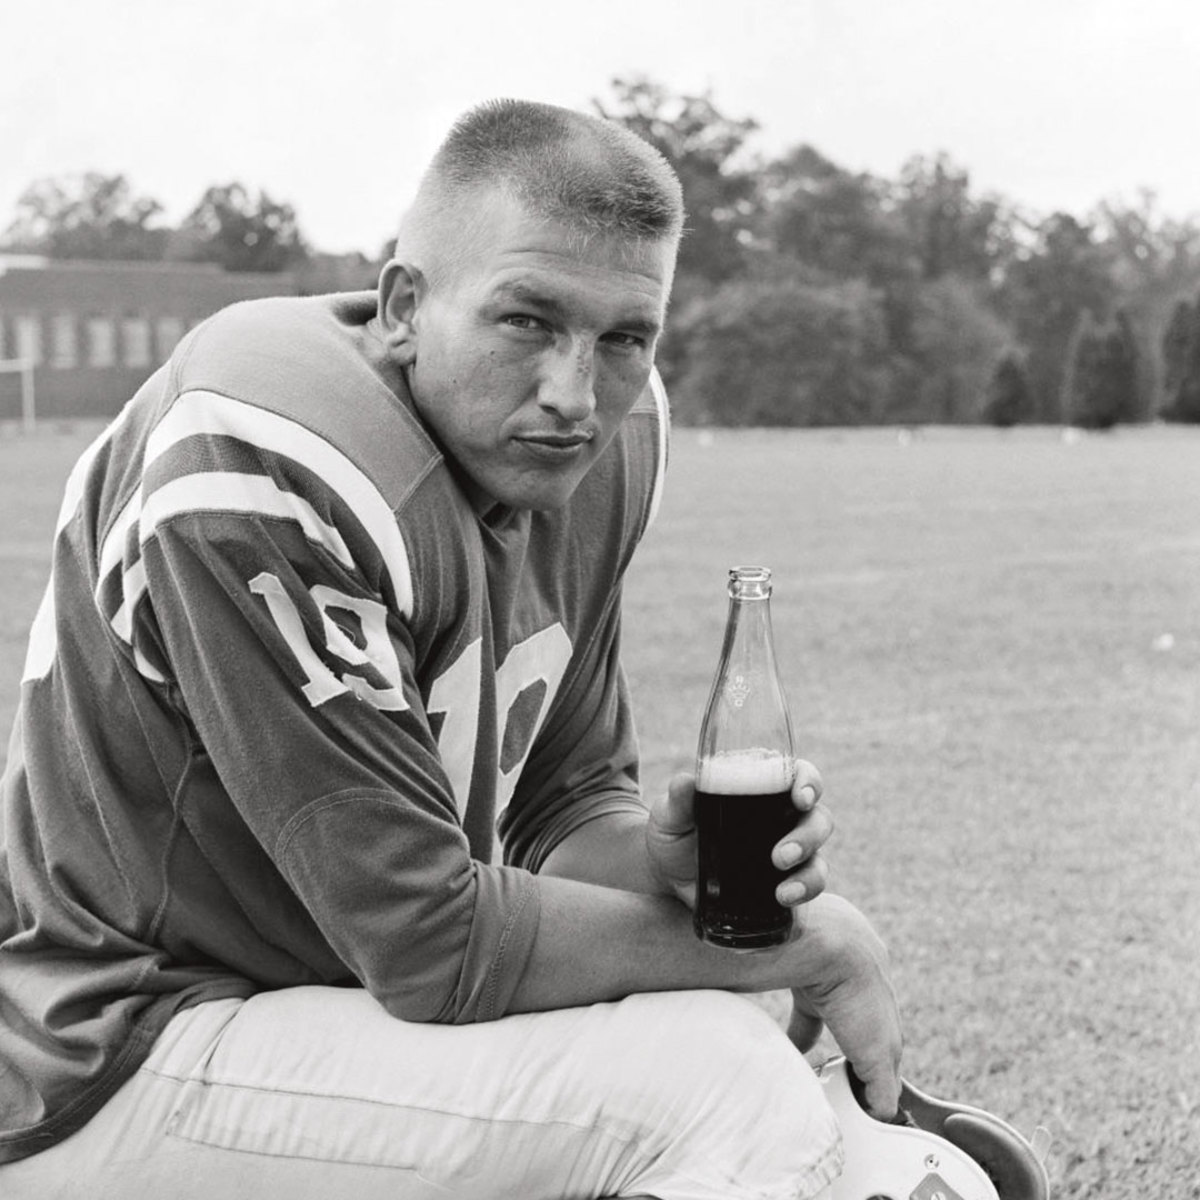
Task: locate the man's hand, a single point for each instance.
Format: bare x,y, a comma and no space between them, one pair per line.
843,966
671,840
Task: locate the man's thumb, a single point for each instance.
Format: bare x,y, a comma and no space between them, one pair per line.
675,818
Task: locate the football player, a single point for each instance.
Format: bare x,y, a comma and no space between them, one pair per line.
326,871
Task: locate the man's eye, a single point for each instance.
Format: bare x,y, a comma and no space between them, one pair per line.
625,341
524,321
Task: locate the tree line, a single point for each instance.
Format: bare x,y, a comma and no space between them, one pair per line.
96,216
810,294
806,293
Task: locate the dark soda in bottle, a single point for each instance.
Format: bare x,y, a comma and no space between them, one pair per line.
745,767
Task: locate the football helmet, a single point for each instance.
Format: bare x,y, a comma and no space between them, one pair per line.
933,1150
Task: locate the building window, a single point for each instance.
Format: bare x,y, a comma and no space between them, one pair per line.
168,331
135,334
64,341
29,339
102,342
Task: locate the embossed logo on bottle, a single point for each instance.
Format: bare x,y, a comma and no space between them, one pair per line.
737,690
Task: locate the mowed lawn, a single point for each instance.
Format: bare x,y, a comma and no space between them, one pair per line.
992,647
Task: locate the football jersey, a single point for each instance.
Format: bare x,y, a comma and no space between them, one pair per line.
286,691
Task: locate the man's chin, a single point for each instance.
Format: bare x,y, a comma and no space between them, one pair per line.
535,491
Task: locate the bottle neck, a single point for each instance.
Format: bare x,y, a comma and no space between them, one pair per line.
747,713
749,645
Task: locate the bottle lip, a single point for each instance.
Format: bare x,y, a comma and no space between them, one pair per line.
750,583
750,574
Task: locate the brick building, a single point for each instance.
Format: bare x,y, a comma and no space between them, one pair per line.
95,330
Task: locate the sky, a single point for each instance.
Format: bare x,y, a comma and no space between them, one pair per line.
335,105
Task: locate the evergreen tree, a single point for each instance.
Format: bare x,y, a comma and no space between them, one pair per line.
1155,259
1101,382
1125,360
1046,292
1181,364
1008,401
1176,340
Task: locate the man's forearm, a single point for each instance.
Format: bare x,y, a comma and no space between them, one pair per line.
630,934
611,850
602,943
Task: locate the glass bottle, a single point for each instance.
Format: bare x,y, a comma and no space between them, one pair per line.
745,766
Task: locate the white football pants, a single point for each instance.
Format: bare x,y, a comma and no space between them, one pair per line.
317,1094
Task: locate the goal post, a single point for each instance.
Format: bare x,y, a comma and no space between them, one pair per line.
24,368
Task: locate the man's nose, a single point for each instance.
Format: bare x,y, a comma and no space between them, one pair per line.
568,386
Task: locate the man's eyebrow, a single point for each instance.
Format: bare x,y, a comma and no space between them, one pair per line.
643,325
522,293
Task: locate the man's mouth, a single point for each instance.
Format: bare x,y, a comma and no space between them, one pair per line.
555,447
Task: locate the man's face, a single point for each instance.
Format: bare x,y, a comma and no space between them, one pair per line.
530,355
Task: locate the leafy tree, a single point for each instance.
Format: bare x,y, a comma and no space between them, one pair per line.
949,231
89,216
1181,355
842,226
1150,252
957,340
782,351
243,233
1101,384
701,143
831,219
1008,401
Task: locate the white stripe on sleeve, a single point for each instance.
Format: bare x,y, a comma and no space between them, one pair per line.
231,491
208,413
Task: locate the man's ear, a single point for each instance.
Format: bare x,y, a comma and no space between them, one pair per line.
401,287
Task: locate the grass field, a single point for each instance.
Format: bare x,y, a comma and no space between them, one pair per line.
992,647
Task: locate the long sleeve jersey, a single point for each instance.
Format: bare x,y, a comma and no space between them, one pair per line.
285,692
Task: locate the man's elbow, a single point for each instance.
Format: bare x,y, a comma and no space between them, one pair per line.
428,1001
418,1008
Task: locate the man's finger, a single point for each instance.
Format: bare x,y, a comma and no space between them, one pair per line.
804,884
803,841
807,786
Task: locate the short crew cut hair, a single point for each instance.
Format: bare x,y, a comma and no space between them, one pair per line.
587,173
